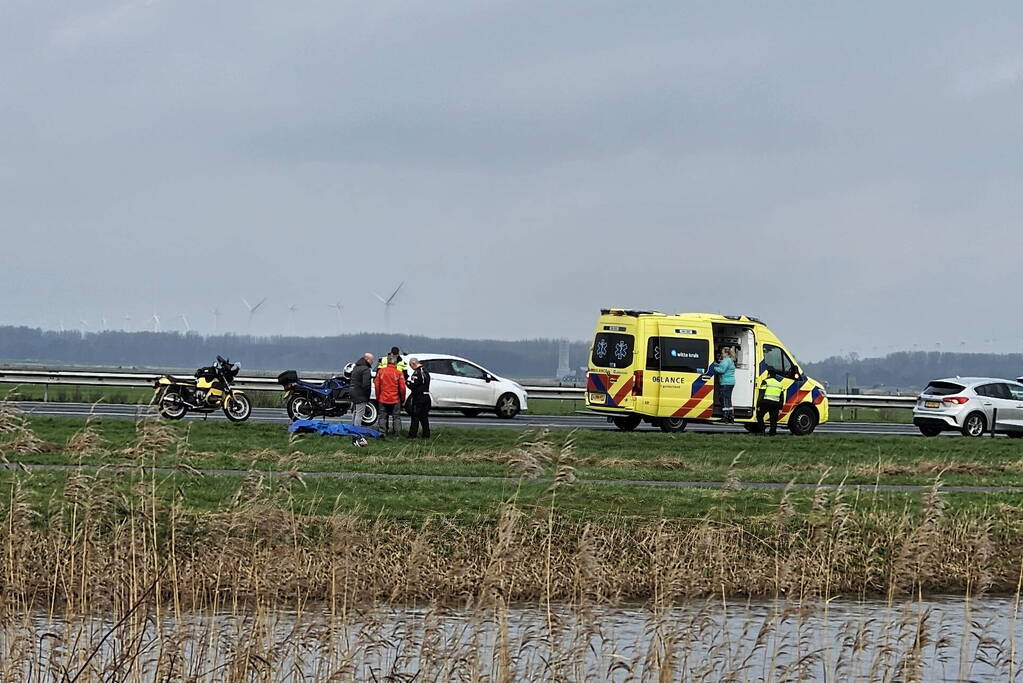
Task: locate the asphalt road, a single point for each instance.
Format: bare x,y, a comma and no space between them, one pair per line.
441,419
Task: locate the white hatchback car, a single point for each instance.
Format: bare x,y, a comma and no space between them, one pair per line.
971,405
459,384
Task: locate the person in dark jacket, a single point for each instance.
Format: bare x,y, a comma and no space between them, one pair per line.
362,386
419,406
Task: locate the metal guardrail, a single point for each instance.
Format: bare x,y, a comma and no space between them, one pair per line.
146,379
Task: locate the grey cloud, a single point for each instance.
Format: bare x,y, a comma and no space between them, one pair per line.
846,172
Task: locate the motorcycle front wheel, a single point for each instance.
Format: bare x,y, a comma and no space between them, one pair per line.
370,417
237,407
300,408
171,406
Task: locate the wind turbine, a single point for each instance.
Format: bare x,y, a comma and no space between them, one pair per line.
156,323
184,319
338,306
216,319
85,326
292,309
253,309
388,302
102,322
127,323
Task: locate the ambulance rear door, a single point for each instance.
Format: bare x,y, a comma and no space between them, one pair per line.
610,381
677,362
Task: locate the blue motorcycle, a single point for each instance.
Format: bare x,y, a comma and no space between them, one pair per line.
330,398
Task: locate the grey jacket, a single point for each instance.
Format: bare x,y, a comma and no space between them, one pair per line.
362,381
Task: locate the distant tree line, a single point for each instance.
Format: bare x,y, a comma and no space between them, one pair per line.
911,369
536,358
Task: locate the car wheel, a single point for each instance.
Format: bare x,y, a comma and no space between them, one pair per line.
507,406
672,424
471,413
752,427
626,423
803,420
974,425
930,430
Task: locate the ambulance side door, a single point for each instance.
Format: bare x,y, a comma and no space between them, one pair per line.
681,355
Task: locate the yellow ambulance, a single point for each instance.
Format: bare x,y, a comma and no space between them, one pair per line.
648,366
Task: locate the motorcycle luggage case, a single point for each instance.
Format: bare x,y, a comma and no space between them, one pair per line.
209,373
287,377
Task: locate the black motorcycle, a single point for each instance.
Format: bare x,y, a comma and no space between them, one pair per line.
331,398
208,392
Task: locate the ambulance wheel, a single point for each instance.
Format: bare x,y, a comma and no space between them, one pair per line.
672,424
752,427
626,423
803,420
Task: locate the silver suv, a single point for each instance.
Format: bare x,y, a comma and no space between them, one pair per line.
971,405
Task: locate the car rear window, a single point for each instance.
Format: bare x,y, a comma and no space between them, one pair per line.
611,350
943,388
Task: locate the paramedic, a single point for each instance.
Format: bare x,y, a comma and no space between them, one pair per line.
771,393
725,369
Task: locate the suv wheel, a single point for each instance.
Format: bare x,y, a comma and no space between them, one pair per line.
974,425
507,406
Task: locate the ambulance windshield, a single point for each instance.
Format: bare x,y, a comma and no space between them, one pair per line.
611,350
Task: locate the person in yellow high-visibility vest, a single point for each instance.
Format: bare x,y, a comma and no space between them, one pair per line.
772,393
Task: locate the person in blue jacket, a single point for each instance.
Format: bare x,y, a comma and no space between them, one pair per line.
725,370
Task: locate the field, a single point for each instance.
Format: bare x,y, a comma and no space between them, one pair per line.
157,521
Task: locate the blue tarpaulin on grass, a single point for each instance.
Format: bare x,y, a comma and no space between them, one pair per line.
331,429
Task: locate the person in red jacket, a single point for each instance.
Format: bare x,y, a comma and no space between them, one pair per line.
390,386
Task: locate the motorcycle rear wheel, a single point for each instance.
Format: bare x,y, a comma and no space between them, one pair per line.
175,409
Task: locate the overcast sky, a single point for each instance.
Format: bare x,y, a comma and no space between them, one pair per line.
850,173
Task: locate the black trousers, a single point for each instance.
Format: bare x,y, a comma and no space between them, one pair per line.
419,412
771,408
